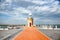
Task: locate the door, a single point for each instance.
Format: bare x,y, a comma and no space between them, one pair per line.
30,24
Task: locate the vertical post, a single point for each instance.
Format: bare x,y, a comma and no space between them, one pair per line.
50,27
56,26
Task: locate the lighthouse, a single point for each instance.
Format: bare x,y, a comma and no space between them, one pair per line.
30,20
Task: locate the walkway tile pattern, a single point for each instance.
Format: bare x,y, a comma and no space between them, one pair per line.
31,33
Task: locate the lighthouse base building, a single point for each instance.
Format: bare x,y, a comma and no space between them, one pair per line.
30,20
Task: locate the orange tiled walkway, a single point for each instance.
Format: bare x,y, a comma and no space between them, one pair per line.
31,33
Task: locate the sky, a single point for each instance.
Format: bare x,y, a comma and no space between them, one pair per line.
17,11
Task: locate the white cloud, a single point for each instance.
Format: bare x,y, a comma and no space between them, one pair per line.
22,10
16,11
45,10
51,7
9,1
40,2
16,15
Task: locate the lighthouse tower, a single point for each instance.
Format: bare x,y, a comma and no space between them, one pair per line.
30,20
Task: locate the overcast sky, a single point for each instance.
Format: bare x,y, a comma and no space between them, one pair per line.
16,11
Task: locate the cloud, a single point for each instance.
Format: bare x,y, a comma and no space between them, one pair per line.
22,10
9,1
16,16
44,11
40,2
